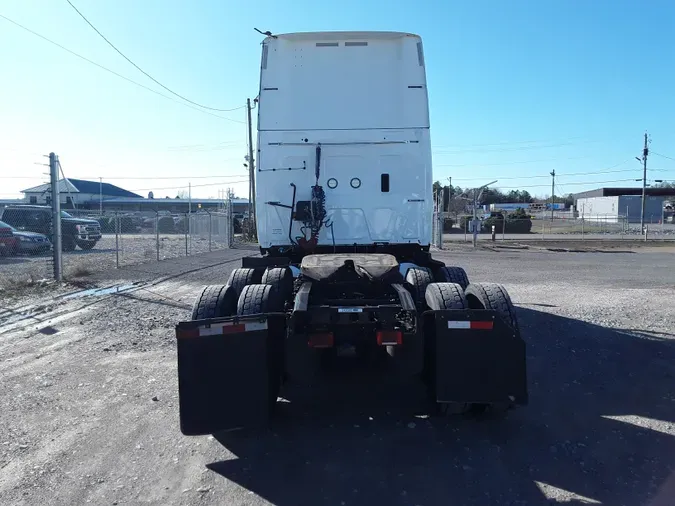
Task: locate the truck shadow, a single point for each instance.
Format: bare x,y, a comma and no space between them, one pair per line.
361,443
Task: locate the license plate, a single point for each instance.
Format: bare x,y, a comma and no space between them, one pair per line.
350,310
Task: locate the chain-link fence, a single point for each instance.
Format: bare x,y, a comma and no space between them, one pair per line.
25,246
562,226
136,238
93,241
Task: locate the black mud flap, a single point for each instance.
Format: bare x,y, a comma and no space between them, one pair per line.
475,357
228,372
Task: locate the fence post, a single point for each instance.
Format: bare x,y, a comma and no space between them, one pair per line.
187,226
117,240
229,224
157,233
56,217
466,224
582,227
210,229
543,229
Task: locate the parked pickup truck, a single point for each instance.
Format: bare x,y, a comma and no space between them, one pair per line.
81,232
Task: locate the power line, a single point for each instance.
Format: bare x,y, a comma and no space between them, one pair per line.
225,145
193,186
504,143
115,73
144,72
161,178
502,150
662,156
511,163
558,174
574,183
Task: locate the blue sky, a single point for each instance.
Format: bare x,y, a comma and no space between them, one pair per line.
517,88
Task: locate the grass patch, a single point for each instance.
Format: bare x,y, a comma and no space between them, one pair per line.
79,271
19,285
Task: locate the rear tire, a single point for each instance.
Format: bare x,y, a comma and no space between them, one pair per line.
241,277
281,281
215,301
86,245
492,296
258,299
419,278
452,275
261,299
441,296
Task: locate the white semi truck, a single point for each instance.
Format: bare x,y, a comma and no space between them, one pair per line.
344,209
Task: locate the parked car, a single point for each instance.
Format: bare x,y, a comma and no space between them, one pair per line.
30,243
8,242
81,232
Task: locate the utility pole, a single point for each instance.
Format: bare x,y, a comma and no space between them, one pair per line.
552,193
56,216
251,171
100,196
645,152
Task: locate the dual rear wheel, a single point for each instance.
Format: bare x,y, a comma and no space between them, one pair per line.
449,288
249,292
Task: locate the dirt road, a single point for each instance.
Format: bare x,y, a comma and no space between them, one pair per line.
89,402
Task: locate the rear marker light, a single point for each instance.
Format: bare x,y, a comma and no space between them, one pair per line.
472,325
389,337
323,340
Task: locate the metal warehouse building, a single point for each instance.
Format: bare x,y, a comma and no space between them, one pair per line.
617,204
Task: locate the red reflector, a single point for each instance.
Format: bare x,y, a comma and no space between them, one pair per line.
485,325
182,333
231,329
323,340
389,337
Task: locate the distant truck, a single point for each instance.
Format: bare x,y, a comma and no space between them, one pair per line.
81,232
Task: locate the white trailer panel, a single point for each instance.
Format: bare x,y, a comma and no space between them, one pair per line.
361,97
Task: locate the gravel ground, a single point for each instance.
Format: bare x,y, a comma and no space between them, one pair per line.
89,404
